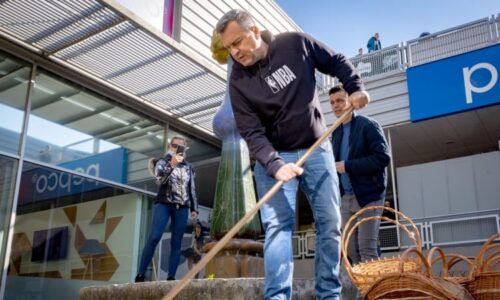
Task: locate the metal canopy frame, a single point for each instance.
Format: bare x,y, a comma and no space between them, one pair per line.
103,39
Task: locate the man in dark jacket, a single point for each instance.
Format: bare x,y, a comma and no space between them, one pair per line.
277,111
176,197
361,155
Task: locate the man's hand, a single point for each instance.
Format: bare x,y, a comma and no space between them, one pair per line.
359,99
194,215
288,172
178,158
340,166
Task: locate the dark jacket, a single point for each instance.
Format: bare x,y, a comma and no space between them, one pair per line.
275,103
179,188
367,158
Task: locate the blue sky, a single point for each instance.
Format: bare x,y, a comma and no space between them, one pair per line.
347,25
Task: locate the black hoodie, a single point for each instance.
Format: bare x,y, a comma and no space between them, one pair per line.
275,101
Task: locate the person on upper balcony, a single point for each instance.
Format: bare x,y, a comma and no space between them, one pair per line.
374,43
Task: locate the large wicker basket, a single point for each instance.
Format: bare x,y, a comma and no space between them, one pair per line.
416,285
486,276
364,274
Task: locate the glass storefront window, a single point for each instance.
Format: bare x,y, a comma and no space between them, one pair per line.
76,129
72,229
71,232
14,78
8,167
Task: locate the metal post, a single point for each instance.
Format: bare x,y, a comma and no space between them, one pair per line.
393,181
13,210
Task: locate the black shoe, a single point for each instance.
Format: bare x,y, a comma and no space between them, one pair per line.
170,278
139,278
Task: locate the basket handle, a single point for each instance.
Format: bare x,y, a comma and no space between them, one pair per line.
348,231
491,260
396,222
348,265
441,256
456,258
480,265
416,251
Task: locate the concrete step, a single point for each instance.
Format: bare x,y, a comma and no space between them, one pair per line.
206,289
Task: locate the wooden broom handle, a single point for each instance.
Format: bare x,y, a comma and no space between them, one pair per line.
249,215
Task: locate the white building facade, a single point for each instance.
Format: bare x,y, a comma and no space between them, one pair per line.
90,90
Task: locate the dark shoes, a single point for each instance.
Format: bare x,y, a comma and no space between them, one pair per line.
139,278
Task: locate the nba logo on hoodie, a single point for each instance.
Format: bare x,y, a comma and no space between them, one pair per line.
280,78
272,84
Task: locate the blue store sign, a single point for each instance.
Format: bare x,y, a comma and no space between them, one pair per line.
459,83
42,183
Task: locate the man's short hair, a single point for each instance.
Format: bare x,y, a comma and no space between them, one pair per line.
243,18
336,89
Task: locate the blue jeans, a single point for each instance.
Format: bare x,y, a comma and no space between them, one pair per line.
161,213
320,184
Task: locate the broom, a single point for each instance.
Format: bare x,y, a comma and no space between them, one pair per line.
250,214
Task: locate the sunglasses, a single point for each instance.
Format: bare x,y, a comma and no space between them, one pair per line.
175,145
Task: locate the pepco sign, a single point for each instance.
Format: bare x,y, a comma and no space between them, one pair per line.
41,183
459,83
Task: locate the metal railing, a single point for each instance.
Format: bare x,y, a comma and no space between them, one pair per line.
379,62
457,40
452,230
446,43
498,26
463,230
324,82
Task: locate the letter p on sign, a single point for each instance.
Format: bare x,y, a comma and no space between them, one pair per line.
469,88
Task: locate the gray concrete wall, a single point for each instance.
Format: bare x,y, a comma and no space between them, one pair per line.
451,186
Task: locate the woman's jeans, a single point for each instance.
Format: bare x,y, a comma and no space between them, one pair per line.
319,182
161,213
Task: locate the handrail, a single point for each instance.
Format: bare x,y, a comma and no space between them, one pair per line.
303,251
452,41
450,30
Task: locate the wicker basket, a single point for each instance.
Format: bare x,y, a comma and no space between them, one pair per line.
416,285
486,276
453,260
364,274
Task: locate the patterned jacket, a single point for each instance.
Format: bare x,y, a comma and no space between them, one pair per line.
179,186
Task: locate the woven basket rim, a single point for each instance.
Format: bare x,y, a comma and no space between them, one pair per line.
420,283
349,229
